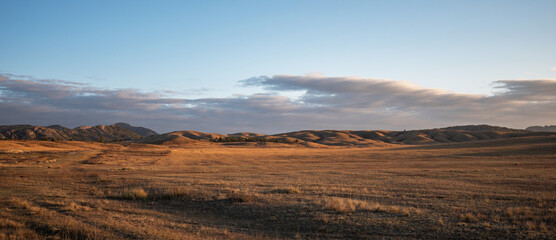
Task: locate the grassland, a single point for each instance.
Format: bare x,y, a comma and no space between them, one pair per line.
474,190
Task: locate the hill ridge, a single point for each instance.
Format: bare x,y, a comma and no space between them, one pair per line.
102,133
357,138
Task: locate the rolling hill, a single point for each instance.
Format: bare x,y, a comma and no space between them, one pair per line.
324,138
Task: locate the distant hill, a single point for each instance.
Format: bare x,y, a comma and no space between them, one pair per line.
180,137
57,132
551,128
378,138
482,127
144,132
322,138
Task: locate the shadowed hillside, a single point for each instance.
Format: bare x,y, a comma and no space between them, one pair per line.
180,137
83,133
144,132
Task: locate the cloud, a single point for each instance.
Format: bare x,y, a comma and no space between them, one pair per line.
328,103
531,90
553,69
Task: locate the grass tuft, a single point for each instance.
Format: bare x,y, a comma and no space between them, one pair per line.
440,221
134,194
343,205
468,217
20,203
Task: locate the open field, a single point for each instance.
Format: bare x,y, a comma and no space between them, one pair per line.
481,189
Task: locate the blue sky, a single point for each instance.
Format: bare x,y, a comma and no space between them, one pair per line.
204,49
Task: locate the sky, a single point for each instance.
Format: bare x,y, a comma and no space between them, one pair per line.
277,66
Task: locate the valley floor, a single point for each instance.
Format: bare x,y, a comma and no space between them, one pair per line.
474,190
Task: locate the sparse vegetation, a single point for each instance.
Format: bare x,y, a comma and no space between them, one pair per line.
51,190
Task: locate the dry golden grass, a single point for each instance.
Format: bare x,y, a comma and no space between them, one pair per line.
493,189
8,223
343,205
134,194
469,217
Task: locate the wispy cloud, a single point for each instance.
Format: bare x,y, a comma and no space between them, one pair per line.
328,103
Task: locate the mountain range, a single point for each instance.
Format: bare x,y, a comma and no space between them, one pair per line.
309,138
